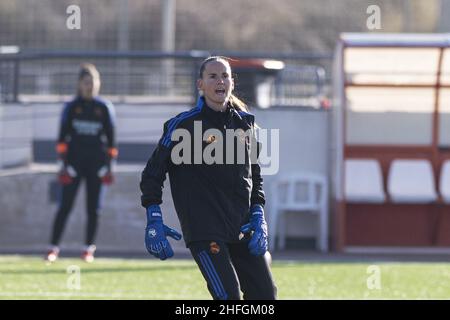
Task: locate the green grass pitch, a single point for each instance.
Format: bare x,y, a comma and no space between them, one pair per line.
25,277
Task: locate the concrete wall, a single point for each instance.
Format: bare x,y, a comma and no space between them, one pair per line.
304,146
139,128
26,212
15,135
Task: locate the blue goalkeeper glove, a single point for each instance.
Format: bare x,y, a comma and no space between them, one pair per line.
156,233
258,243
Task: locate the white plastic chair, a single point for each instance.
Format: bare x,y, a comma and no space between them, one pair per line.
363,181
444,181
287,195
411,181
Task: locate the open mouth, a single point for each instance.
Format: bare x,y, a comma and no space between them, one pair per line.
220,92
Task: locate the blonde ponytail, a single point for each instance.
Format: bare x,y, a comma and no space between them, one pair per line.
237,103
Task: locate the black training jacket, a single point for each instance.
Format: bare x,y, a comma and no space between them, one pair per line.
87,126
212,201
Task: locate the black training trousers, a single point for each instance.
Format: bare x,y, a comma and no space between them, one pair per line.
229,268
93,198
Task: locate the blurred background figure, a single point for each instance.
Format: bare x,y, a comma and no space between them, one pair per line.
86,150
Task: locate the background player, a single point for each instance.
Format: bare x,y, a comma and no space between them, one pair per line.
86,149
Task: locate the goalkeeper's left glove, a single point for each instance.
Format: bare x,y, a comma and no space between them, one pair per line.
106,172
258,243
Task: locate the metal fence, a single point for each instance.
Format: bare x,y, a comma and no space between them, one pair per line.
149,76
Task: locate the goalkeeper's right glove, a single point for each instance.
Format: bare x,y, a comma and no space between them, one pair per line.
156,233
66,173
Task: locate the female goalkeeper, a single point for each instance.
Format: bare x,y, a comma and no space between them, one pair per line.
86,149
217,191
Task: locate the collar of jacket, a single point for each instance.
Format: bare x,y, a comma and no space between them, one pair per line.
208,111
85,102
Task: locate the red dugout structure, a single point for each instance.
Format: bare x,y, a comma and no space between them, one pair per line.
391,142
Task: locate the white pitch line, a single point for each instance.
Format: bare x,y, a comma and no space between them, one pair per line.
68,294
